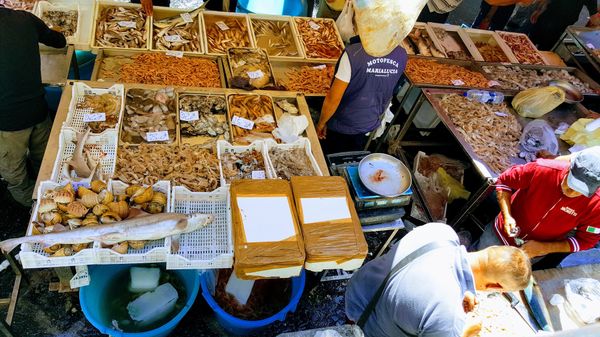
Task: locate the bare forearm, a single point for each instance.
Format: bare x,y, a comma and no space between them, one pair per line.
537,248
504,202
328,109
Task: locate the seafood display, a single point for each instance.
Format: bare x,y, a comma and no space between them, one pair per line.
275,37
108,104
81,167
320,38
212,116
309,79
110,68
432,72
452,44
189,165
285,106
252,117
250,68
241,165
149,116
26,5
521,46
498,318
62,21
121,27
518,78
174,33
223,33
491,129
418,42
491,52
291,162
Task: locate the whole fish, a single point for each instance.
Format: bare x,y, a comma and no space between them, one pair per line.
83,165
151,227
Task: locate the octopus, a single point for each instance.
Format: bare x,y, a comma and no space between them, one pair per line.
291,162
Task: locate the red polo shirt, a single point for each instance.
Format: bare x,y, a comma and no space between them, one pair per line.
543,212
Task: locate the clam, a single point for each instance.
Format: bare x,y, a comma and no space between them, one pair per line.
137,244
76,209
64,196
100,209
153,207
109,217
79,247
46,205
52,249
69,188
121,208
132,189
90,220
105,196
82,190
90,200
143,195
120,247
50,218
62,208
74,223
122,197
97,186
159,198
37,229
64,251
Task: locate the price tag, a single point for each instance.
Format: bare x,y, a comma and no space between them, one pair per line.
188,116
173,38
314,25
242,123
501,114
591,46
94,117
258,174
493,84
255,74
158,136
187,18
221,25
321,66
457,82
127,24
176,53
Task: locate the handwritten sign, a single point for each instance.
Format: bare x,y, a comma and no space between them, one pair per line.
501,114
127,24
258,174
314,25
188,116
173,38
175,53
242,122
222,25
457,82
255,74
591,46
187,18
158,136
321,66
94,117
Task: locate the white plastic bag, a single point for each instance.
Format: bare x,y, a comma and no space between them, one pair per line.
345,22
383,24
538,135
584,296
289,128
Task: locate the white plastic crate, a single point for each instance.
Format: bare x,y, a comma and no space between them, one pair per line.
207,248
75,116
302,143
153,251
32,255
44,6
102,147
226,147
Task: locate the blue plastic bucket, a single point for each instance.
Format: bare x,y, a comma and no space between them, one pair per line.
91,299
242,327
276,7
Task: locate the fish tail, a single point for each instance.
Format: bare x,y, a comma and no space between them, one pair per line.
8,245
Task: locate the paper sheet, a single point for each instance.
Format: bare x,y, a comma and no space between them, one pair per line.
266,219
324,209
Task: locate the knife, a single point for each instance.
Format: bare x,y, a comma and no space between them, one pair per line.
535,302
520,308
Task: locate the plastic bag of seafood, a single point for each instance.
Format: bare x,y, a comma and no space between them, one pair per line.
265,247
333,236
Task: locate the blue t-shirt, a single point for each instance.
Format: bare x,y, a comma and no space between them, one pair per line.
425,298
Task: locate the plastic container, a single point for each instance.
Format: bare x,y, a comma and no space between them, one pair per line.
91,297
484,96
242,327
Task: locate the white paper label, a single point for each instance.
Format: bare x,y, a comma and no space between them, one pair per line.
501,114
278,226
258,174
562,128
127,24
242,122
188,116
94,117
321,66
314,25
457,82
187,18
493,83
222,25
173,38
255,74
324,209
158,136
591,46
175,53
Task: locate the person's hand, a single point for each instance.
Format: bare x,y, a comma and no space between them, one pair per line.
469,302
472,328
509,224
534,248
148,7
322,130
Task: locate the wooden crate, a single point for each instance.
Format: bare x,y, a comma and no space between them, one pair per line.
166,12
210,17
486,36
200,140
100,5
453,31
293,32
337,33
280,68
423,27
254,93
254,50
528,43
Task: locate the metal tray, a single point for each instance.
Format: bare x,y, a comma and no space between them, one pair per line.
384,174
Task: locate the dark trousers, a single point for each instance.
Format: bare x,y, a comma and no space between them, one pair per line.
549,261
498,20
336,142
429,16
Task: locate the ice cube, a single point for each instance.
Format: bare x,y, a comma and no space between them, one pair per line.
154,305
143,279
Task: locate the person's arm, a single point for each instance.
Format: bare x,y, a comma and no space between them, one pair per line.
48,36
148,7
516,177
504,203
330,105
537,248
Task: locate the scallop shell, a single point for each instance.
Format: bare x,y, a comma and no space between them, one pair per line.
82,190
52,249
37,229
64,196
90,220
62,208
90,200
120,247
132,189
46,205
159,198
50,218
121,208
100,209
109,217
122,197
97,186
137,244
79,247
64,251
76,209
153,207
143,195
105,197
69,188
74,223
